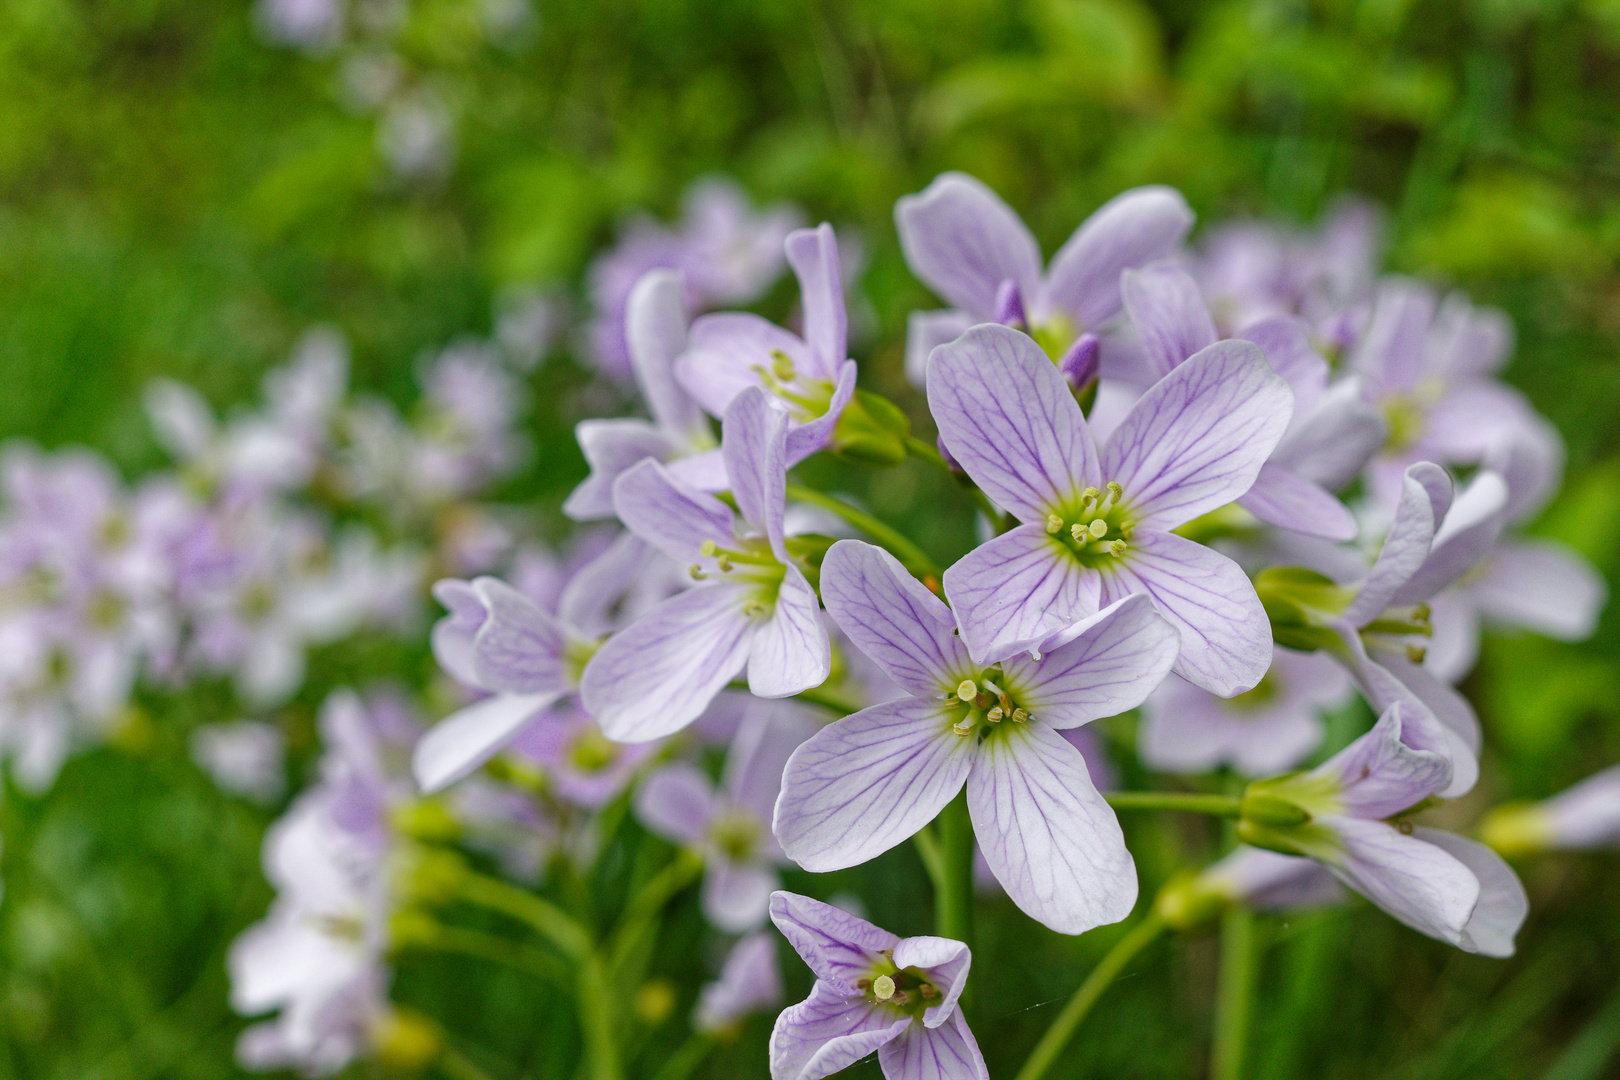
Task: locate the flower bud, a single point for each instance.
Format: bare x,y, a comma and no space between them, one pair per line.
871,431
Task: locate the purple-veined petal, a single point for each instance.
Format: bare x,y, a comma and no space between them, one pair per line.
867,782
1225,634
452,636
1472,419
1331,441
840,948
671,516
1008,417
791,651
947,1052
658,674
1197,438
1502,903
655,329
962,241
1099,667
1542,586
586,603
467,738
704,470
1049,837
737,895
813,254
1378,775
946,962
1280,497
1286,341
1016,591
1420,884
1268,881
1133,228
1446,705
753,443
905,629
1171,319
925,332
519,649
828,1032
1464,538
677,802
610,447
1391,353
1425,498
813,435
725,352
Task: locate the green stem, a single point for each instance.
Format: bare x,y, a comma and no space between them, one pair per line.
1234,994
641,913
689,1057
915,559
820,695
596,1019
553,924
928,851
1218,805
922,451
1057,1036
459,1067
953,895
496,950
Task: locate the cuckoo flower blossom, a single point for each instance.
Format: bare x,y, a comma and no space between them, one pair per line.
870,780
810,377
1347,814
750,981
1096,524
752,606
678,434
1584,816
968,246
873,991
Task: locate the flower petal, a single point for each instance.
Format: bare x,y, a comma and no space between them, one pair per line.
658,674
1008,417
753,442
1391,352
1466,535
673,517
724,353
791,652
925,332
867,782
1049,837
1169,314
813,435
1502,904
467,738
962,241
1286,341
1542,586
828,1032
1133,228
1225,634
1422,885
1101,666
1378,775
737,895
1282,498
1425,498
837,946
1017,590
1331,441
946,962
655,318
905,629
946,1052
610,447
519,649
677,802
813,254
1197,438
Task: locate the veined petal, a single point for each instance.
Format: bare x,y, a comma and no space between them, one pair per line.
867,782
905,629
1281,498
1466,535
677,802
962,241
671,516
813,435
452,636
813,254
724,353
1502,902
1197,438
1286,341
519,649
791,651
737,895
828,1032
586,603
1133,228
1101,666
1016,591
655,330
610,447
1425,498
1332,440
1171,319
1049,838
1006,414
658,674
467,738
1422,885
1391,353
838,947
1378,775
1543,586
1446,705
1225,634
947,1052
925,332
946,961
753,443
704,470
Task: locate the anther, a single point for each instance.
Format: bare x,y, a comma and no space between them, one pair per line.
1019,716
928,990
723,560
1054,524
782,365
967,690
1422,613
1416,653
1115,491
901,998
708,549
1079,533
863,984
883,988
1098,528
963,726
697,572
994,715
1089,496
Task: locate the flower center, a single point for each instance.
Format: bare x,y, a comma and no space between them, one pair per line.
1264,693
751,562
1403,622
805,398
592,752
907,990
984,704
1098,529
735,834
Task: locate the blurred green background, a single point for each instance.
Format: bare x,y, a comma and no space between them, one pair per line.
180,197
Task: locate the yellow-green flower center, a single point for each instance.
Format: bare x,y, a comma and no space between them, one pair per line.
1096,528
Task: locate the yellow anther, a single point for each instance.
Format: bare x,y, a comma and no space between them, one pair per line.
928,990
1115,547
1416,653
1115,492
1098,528
1079,533
1054,524
723,560
1019,716
994,715
967,691
708,549
963,727
883,988
1089,496
782,366
697,572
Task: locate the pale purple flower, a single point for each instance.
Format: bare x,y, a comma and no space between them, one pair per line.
750,981
730,826
751,608
1261,732
871,780
810,378
1346,814
1096,524
966,244
244,757
874,991
314,25
678,433
1270,881
584,766
1579,818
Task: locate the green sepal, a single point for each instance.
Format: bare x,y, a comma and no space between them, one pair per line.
807,550
1273,811
871,431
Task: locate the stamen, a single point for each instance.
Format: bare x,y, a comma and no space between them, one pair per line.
863,984
1114,547
901,998
1054,524
1115,491
723,560
697,572
883,988
963,726
1078,531
968,690
994,715
1416,653
928,990
1019,716
782,366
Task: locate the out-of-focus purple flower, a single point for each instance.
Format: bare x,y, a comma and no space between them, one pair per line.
750,981
1262,732
752,608
874,991
966,244
1581,817
244,757
1346,814
1253,877
313,25
1096,524
873,779
730,826
584,766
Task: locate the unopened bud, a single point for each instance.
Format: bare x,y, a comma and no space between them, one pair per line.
1079,362
1010,305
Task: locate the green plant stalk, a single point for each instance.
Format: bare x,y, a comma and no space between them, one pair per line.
953,893
490,948
680,1064
922,451
641,913
1234,994
1218,805
552,923
913,557
1107,970
597,1021
457,1066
